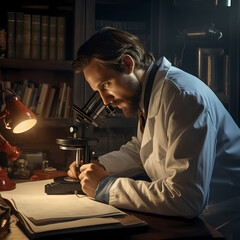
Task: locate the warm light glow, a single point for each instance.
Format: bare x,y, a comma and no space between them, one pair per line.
25,125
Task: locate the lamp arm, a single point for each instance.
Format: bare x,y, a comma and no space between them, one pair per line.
4,113
12,152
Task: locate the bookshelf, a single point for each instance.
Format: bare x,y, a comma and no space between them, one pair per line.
204,43
40,44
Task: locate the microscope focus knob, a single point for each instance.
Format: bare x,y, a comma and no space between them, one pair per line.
73,129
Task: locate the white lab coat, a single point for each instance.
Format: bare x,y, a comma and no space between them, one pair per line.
190,149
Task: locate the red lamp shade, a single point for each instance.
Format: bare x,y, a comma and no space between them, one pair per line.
19,118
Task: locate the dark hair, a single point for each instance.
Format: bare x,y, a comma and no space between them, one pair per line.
108,46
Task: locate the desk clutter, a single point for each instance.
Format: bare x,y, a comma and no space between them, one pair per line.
41,215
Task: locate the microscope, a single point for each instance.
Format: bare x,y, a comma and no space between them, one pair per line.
93,113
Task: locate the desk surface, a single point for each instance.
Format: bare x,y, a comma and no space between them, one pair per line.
159,227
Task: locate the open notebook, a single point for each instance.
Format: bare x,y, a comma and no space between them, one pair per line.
41,214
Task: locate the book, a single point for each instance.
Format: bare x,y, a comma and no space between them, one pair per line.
11,35
53,111
62,90
45,37
63,101
35,97
210,67
19,34
42,98
27,36
68,103
3,43
61,26
226,70
53,38
211,72
45,215
17,88
27,95
49,101
25,83
35,36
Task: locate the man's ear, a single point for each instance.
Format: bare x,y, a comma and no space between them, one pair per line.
128,64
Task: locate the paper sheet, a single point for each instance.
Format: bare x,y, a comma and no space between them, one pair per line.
71,224
31,200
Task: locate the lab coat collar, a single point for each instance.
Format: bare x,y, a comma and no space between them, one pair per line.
157,87
141,103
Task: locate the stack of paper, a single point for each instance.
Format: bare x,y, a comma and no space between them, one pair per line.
41,214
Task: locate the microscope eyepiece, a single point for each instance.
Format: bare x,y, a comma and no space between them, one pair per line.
92,110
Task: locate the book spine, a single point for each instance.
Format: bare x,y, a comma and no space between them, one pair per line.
53,38
27,36
211,72
62,99
53,111
36,36
3,43
19,34
68,103
42,97
49,102
33,98
226,70
45,38
61,29
36,97
200,67
11,35
27,95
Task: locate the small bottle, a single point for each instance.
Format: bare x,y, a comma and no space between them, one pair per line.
22,171
44,164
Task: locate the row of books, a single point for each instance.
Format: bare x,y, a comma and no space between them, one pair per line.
45,100
213,69
32,36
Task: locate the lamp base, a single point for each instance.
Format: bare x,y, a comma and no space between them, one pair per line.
5,183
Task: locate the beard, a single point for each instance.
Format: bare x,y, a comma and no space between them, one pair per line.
131,108
132,102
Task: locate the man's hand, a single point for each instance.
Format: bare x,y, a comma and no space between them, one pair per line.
72,170
90,176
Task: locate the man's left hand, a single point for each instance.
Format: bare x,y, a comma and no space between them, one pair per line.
91,175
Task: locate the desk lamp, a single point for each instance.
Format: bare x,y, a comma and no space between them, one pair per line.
19,119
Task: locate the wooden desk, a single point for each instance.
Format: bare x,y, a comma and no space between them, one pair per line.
162,227
159,227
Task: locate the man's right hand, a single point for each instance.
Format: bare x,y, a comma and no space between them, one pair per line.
72,169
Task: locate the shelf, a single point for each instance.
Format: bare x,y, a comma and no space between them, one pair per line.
36,64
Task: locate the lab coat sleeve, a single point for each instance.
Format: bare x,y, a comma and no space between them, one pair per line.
188,163
125,162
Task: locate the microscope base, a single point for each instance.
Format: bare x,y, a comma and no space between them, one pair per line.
61,187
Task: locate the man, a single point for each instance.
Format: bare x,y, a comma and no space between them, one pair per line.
189,147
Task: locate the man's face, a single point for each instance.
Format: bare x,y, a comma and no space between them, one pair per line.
121,90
